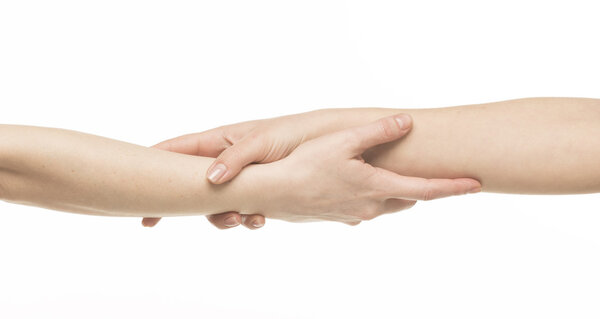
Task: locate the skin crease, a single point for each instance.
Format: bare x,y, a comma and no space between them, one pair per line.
82,173
525,146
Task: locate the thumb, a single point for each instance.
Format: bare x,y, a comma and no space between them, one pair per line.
209,143
381,131
234,158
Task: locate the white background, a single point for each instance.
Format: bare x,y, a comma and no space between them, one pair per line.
144,71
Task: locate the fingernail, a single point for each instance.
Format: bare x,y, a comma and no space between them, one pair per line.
402,120
230,222
217,172
475,190
257,224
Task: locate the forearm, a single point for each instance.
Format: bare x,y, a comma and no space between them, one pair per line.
76,172
527,146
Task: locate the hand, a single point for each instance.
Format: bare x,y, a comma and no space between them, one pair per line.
327,179
209,144
222,221
259,141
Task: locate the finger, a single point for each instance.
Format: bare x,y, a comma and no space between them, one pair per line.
417,188
225,220
253,221
393,205
231,161
352,223
381,131
150,221
209,143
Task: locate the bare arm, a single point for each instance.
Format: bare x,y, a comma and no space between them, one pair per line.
541,145
82,173
526,146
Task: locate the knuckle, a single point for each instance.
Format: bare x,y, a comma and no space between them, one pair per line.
388,128
230,154
253,148
226,135
232,133
429,194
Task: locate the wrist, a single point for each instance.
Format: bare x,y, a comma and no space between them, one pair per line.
252,189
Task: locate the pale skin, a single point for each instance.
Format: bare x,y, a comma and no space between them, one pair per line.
81,173
531,146
525,146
